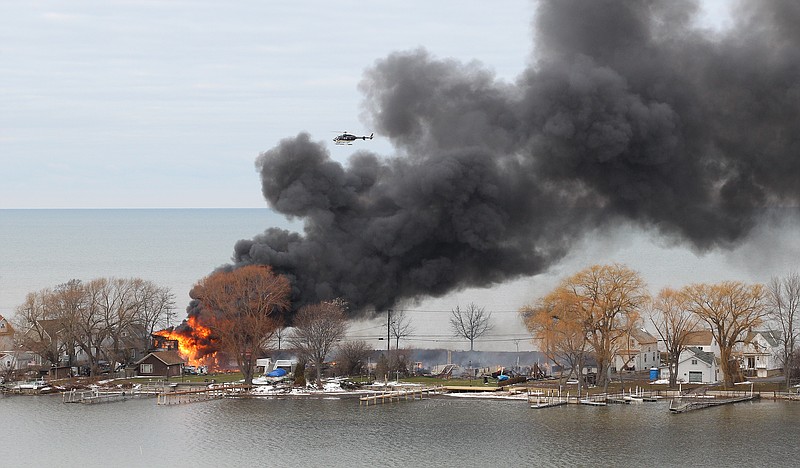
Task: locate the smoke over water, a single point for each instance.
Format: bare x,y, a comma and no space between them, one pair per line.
628,113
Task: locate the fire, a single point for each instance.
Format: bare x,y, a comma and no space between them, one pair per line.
195,343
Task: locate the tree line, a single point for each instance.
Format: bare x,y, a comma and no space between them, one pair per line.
591,312
104,319
245,309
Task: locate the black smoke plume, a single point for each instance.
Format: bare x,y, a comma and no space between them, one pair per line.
628,112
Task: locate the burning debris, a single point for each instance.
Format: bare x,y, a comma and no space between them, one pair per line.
195,342
629,113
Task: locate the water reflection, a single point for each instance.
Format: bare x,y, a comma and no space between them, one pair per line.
435,432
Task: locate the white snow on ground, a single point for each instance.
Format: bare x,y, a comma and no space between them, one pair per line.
269,390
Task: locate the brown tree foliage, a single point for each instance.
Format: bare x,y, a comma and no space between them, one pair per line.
612,296
674,323
557,325
317,329
603,302
247,305
730,309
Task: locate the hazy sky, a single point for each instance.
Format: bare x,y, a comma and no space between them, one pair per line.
117,103
137,103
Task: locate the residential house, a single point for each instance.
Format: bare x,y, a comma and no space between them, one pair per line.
6,335
703,340
134,342
161,364
47,338
18,363
639,353
51,339
695,366
760,354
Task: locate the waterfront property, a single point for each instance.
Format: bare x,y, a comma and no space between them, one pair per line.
696,366
640,352
160,364
760,354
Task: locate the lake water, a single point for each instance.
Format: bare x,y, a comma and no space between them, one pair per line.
441,431
171,247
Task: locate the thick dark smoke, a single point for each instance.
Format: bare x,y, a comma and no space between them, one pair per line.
628,113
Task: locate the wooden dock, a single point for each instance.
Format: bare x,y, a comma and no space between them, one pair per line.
97,395
398,395
94,396
550,399
204,394
689,403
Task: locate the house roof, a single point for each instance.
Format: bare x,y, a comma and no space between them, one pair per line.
772,337
705,356
5,327
169,358
699,338
52,327
642,336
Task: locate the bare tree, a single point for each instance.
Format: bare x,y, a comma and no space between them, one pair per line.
247,304
117,303
730,309
279,337
470,323
31,319
79,305
400,326
351,357
154,307
674,324
93,317
317,328
783,295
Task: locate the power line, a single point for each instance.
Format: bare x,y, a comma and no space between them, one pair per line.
432,311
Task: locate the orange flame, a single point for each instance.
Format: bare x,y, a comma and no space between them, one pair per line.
194,346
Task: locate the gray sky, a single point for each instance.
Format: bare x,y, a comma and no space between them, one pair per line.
168,103
136,103
121,103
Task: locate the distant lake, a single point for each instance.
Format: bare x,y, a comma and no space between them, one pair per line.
441,431
171,247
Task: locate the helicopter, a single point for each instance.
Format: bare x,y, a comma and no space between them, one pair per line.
348,138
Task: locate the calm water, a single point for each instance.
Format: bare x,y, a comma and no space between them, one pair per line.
171,247
42,431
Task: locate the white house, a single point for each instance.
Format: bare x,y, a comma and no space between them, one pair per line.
638,353
760,353
18,361
695,366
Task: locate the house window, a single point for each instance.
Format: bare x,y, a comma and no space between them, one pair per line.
694,362
146,368
645,358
